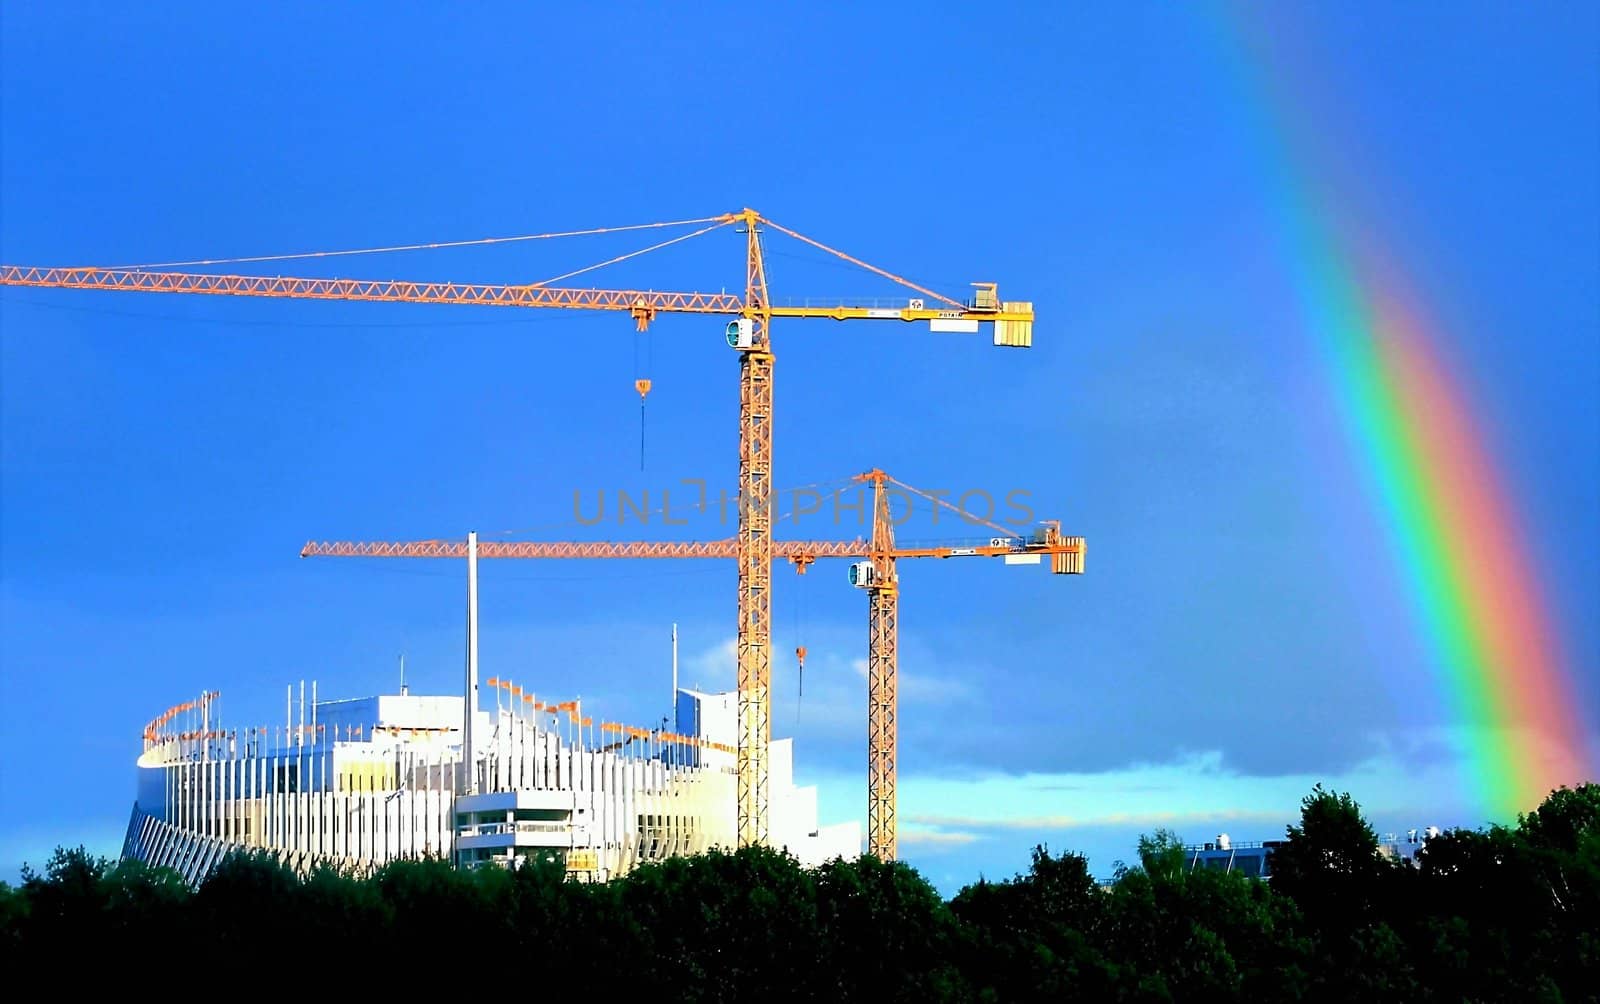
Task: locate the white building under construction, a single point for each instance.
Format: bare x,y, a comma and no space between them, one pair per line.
358,783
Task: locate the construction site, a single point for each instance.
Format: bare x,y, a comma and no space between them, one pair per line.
501,770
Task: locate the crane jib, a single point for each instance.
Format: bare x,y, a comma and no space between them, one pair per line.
1012,315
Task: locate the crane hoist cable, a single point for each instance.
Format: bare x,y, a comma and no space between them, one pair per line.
428,246
631,254
800,648
643,387
802,238
969,517
641,383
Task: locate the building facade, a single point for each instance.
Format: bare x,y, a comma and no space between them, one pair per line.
359,783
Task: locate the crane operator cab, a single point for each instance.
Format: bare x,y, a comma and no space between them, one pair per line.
862,574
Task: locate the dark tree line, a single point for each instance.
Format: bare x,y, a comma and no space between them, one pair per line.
1504,914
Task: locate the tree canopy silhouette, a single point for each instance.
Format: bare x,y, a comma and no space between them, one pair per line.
1502,914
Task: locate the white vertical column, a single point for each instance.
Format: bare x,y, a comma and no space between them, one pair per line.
275,778
341,816
280,777
252,788
444,806
230,788
341,830
209,821
226,790
468,750
242,788
203,773
410,804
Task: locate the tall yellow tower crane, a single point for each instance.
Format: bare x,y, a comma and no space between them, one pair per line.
876,574
749,333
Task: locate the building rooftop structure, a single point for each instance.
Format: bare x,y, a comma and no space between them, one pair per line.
1254,858
361,782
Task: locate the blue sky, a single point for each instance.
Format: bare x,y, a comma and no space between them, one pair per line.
1242,631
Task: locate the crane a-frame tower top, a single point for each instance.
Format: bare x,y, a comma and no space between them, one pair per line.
749,333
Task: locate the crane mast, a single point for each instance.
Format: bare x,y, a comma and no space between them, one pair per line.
753,637
883,661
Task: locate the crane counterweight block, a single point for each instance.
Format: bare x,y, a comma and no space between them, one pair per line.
1068,562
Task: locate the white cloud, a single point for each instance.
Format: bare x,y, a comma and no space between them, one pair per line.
916,836
831,695
922,689
1168,819
932,689
1197,790
711,669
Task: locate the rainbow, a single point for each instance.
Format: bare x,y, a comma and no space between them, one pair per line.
1448,518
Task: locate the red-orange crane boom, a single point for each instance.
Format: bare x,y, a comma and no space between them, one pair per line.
749,334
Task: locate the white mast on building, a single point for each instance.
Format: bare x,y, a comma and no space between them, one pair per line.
468,750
